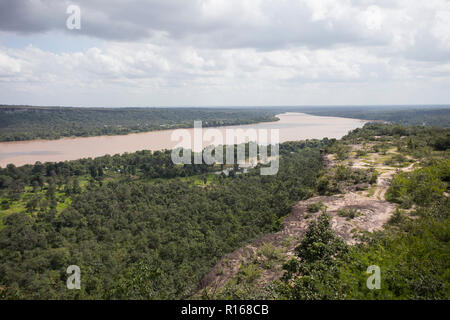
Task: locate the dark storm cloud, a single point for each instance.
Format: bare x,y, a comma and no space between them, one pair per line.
199,23
24,16
114,20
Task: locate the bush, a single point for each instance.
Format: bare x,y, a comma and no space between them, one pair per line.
397,217
342,173
374,177
323,185
5,205
342,151
421,186
349,213
248,273
361,153
396,160
315,207
314,276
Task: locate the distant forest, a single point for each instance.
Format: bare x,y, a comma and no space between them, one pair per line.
438,116
26,123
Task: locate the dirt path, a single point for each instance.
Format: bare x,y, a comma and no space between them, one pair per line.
386,172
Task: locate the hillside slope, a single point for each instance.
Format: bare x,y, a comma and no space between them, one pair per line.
359,171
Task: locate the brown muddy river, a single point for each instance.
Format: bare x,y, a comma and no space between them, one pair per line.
292,126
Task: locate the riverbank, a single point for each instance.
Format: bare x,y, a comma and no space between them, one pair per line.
291,126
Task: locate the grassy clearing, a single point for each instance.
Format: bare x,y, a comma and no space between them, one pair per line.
20,205
201,179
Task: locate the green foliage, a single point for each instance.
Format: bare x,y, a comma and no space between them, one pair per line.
413,257
361,153
141,228
373,177
342,176
413,254
418,142
248,273
323,184
320,243
244,285
341,150
414,261
269,255
398,217
143,280
342,172
421,186
442,142
313,275
269,251
155,224
349,213
402,115
397,160
316,207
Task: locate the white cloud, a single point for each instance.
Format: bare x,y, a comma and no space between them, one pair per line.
229,52
9,66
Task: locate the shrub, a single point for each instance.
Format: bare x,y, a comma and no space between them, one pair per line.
323,184
315,207
342,173
373,177
269,251
397,217
5,205
349,213
421,186
248,273
396,160
361,153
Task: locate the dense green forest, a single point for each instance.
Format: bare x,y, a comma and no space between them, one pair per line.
26,123
405,115
137,216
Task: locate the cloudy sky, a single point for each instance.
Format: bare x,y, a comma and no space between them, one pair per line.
225,52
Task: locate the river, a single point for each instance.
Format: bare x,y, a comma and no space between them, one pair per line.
291,126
